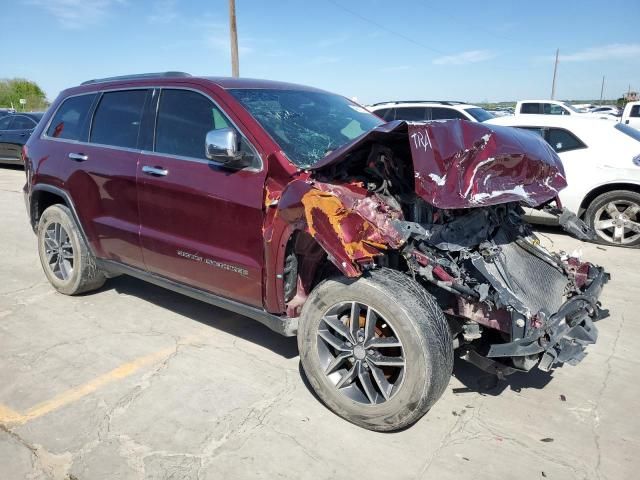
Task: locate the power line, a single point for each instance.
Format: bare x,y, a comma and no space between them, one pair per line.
382,27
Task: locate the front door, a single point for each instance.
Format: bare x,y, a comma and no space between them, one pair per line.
200,223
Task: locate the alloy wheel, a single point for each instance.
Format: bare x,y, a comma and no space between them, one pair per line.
59,251
360,353
618,222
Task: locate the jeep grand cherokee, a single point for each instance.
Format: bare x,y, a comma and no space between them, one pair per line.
382,246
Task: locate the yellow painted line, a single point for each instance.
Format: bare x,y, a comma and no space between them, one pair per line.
9,416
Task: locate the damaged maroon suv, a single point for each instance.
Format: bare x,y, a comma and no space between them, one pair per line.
383,246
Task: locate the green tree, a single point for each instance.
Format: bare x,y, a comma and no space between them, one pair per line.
12,90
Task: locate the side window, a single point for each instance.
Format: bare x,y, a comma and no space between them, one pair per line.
4,122
553,109
530,108
20,122
117,118
70,118
411,113
563,140
442,113
184,118
635,111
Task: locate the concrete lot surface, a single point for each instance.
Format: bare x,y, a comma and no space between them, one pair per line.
135,382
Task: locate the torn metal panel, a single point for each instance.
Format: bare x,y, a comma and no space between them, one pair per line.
352,225
459,164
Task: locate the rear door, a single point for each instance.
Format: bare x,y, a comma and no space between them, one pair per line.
200,223
102,177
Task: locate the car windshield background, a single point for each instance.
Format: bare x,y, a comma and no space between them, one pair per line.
306,124
69,119
480,114
627,130
117,118
570,107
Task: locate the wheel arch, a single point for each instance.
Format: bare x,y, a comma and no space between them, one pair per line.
607,187
43,196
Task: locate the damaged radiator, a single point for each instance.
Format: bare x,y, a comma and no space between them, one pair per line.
534,281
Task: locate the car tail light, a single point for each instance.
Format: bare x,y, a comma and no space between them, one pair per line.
25,153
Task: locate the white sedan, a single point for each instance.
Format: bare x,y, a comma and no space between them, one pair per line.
602,165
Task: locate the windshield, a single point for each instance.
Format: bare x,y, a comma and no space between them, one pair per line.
306,124
480,114
626,129
571,107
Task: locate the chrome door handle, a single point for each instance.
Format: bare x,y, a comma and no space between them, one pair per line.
79,157
156,171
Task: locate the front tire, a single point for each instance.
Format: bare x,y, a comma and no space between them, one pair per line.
615,217
66,260
377,349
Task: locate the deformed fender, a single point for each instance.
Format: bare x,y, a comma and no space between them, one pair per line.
352,225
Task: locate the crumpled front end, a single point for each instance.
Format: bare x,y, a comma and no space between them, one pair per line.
441,202
511,303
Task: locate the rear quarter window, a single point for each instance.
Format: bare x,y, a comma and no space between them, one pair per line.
563,141
70,119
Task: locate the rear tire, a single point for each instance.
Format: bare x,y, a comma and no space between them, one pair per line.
615,217
411,347
66,260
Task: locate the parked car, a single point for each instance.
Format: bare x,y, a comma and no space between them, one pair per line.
382,246
602,164
631,115
420,110
15,130
607,109
554,107
6,111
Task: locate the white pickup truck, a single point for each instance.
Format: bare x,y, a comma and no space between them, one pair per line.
631,115
554,107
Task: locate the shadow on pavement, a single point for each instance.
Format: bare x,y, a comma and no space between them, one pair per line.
478,381
229,322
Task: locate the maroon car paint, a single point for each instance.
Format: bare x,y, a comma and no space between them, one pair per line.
460,164
251,216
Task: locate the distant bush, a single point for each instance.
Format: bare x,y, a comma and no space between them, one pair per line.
12,90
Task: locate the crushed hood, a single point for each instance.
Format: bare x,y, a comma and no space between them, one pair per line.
460,164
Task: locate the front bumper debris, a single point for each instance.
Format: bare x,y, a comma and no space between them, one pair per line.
563,337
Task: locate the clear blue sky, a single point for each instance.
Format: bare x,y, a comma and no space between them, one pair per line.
370,49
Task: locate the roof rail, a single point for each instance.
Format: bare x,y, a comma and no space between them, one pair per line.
442,102
136,77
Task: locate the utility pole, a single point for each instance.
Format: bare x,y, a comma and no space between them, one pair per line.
555,72
233,30
602,90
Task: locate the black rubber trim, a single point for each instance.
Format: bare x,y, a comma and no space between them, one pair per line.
285,326
57,191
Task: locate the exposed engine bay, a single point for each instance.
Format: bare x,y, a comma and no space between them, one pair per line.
443,205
